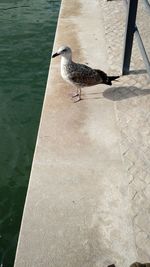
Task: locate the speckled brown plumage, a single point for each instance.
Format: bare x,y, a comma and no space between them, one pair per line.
80,75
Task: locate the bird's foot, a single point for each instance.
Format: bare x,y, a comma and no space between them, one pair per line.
74,95
77,99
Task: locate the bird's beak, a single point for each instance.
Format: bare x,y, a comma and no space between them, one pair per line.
55,55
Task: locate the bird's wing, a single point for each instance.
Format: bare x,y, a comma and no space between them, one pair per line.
83,75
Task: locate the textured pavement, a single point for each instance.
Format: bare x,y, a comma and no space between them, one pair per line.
132,106
88,197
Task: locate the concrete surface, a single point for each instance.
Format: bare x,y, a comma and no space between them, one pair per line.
80,210
132,105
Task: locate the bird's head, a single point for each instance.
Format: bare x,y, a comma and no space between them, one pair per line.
63,51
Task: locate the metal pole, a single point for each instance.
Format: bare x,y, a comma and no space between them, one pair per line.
143,51
147,5
130,29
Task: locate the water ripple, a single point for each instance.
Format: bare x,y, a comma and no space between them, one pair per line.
27,33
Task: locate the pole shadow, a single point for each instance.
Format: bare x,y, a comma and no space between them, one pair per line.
135,72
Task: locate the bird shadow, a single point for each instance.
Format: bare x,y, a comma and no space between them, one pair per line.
124,92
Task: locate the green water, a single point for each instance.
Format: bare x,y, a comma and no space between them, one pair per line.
27,30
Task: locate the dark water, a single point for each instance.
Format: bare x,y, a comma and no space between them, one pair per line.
27,30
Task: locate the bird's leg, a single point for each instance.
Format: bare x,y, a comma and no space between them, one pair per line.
77,93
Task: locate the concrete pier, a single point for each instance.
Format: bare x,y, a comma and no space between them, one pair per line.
78,211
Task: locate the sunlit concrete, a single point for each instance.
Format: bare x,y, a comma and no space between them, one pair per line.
77,210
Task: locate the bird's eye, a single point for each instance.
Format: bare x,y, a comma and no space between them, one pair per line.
65,50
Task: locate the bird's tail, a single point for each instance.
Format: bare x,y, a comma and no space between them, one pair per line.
109,79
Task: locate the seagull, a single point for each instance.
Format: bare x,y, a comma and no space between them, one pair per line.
80,75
